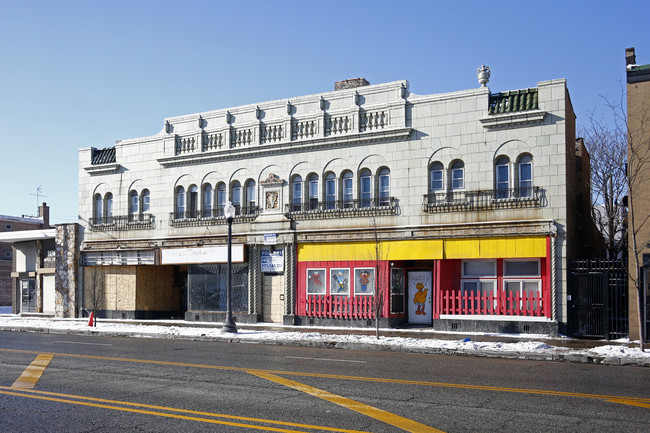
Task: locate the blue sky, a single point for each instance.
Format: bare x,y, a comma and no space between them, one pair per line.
75,74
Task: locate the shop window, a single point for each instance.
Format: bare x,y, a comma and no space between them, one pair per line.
316,282
521,268
479,268
483,291
340,281
207,287
397,291
364,281
529,288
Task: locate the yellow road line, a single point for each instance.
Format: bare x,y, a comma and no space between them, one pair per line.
115,405
30,376
359,378
362,408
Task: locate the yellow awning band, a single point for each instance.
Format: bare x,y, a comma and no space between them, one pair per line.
471,248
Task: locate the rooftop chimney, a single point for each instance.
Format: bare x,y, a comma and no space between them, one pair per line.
44,212
630,56
351,83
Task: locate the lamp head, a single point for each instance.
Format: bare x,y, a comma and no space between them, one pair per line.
229,211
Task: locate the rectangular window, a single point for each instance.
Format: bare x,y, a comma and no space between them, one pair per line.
364,281
330,193
340,281
525,179
521,268
457,178
503,181
313,194
348,197
297,196
7,254
316,282
479,268
145,203
436,180
365,191
384,190
477,295
518,289
134,204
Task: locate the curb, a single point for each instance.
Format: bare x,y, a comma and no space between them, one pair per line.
556,355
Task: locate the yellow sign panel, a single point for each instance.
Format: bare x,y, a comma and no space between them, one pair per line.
432,249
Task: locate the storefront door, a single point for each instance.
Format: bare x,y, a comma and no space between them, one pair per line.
28,290
420,293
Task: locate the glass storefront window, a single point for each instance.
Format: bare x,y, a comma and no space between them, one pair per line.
207,287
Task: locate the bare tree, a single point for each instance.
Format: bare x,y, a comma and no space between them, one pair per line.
381,279
94,290
608,153
633,134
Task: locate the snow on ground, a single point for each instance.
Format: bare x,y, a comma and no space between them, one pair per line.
531,345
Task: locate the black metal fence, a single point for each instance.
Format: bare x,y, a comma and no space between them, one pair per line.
598,307
454,201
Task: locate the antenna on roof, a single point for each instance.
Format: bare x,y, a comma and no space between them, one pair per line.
39,194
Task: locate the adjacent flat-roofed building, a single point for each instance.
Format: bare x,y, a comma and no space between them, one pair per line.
638,117
455,210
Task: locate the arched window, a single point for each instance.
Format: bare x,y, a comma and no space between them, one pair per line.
525,183
502,177
436,178
193,201
348,189
145,201
250,196
134,204
108,208
313,191
457,175
365,191
98,205
384,187
208,199
296,194
330,191
235,196
179,211
221,198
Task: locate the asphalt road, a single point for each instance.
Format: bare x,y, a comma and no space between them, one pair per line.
56,383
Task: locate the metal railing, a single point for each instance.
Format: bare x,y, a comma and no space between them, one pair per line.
314,209
452,201
212,216
123,222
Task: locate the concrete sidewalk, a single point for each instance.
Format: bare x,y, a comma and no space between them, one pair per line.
410,340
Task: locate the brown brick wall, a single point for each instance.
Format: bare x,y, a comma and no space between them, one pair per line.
638,108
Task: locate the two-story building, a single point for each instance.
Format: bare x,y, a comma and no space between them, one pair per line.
454,211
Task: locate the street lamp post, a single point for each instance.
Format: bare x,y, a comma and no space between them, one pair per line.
229,324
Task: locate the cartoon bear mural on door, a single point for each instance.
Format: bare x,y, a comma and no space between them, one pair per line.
420,294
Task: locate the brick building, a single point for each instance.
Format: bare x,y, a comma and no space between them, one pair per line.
458,210
638,117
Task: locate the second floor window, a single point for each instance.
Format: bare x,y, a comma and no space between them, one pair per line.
313,192
250,196
146,197
525,176
502,169
330,191
348,192
435,177
221,198
134,202
458,175
365,191
180,202
236,197
207,200
384,187
296,194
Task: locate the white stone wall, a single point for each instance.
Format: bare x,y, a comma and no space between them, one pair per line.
421,129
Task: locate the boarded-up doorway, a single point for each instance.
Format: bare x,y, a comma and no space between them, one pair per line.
273,301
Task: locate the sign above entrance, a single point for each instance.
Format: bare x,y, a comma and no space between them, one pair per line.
186,256
270,238
272,261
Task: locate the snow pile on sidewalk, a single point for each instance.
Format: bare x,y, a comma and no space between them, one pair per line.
529,348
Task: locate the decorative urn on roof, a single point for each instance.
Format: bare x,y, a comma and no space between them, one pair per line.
483,75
